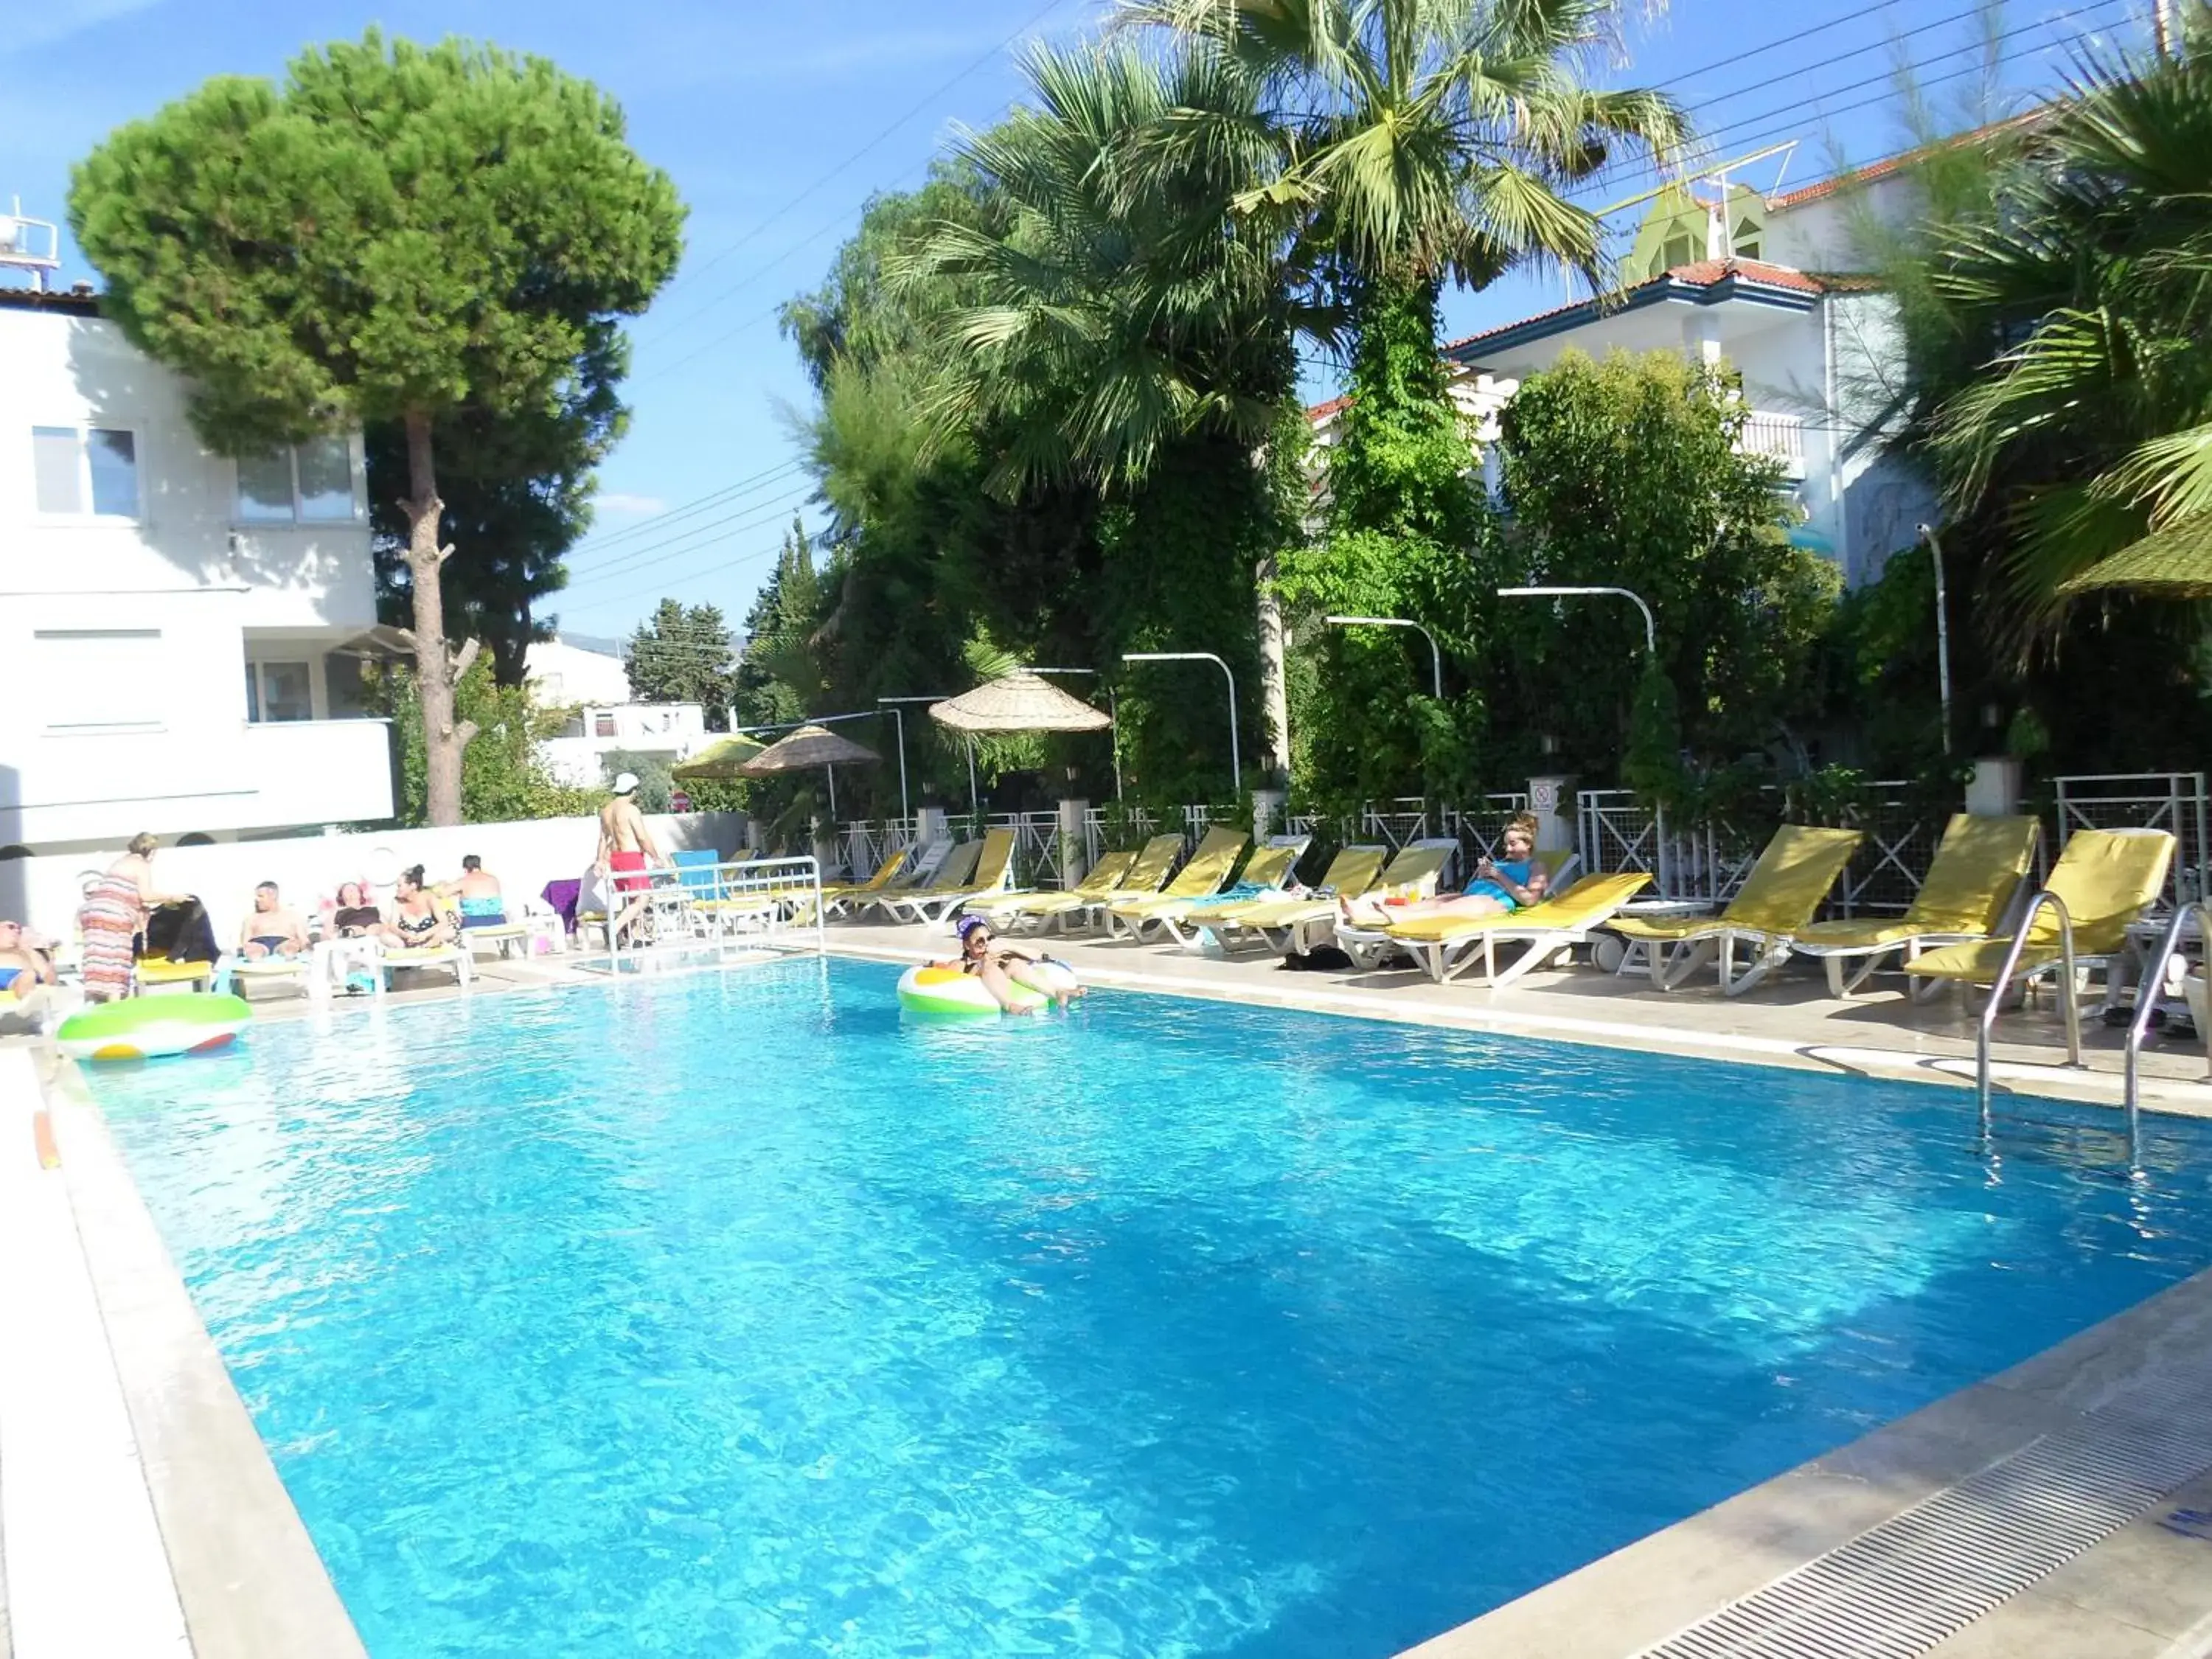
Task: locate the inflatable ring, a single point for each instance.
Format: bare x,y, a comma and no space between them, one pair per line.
947,991
1051,977
150,1028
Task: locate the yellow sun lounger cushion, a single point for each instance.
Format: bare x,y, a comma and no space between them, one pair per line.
2105,878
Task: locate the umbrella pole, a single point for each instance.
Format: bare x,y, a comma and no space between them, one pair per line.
832,771
974,800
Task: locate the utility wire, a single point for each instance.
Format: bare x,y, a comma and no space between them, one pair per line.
754,517
655,522
991,57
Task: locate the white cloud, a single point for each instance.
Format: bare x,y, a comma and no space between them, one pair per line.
42,25
614,501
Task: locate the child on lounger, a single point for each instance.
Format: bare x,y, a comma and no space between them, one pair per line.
1512,883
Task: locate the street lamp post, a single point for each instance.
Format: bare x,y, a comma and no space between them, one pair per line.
975,799
1651,655
899,716
1235,761
1436,656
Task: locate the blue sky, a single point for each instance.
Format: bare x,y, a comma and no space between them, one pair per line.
778,121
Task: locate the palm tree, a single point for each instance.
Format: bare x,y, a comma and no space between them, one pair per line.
2087,420
1419,142
1120,305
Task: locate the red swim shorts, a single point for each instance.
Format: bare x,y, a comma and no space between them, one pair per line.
632,862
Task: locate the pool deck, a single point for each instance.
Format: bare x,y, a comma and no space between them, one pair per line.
140,1514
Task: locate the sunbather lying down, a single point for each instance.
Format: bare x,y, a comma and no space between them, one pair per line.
1511,883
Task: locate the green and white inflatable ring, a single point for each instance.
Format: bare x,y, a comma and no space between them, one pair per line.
151,1027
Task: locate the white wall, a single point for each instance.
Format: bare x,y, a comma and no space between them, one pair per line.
561,674
524,856
71,371
144,726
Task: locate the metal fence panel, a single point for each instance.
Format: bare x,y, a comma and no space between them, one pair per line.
2173,801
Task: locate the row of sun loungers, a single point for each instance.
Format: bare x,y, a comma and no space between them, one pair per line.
1954,932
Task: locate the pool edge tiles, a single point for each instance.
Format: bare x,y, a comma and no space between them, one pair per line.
248,1578
2145,1590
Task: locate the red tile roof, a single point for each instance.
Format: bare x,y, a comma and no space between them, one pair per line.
1705,273
1875,171
1322,412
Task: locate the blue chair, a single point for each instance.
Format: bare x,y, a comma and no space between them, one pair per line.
694,868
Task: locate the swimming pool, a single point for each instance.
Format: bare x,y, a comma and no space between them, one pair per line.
726,1314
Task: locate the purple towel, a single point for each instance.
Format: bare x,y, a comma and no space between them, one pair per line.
561,895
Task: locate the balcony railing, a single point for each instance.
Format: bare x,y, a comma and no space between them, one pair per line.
1776,436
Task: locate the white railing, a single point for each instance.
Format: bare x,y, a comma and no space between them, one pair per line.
748,904
865,844
2173,801
1039,859
1709,864
1776,436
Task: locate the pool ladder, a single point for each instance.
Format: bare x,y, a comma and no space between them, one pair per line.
2147,989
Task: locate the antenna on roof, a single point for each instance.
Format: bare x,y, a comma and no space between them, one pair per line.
31,244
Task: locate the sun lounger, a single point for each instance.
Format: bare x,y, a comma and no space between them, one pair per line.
1155,862
1005,911
1448,946
841,897
1265,876
1371,943
1207,873
1413,873
385,960
265,970
1776,903
154,972
1978,868
2105,878
1243,922
988,870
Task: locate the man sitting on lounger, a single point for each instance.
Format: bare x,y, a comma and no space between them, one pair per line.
272,930
478,895
1512,883
25,962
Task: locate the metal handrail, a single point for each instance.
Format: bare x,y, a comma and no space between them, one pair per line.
2067,994
2154,975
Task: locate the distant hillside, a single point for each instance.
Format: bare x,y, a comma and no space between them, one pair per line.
605,647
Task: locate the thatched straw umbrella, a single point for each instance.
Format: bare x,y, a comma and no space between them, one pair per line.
803,751
722,759
2173,563
1020,701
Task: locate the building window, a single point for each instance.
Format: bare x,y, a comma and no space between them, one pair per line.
310,483
279,691
114,677
80,472
345,687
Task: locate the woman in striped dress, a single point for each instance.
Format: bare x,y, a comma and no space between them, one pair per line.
113,917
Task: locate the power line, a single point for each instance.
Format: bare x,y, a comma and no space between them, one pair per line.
1774,45
753,517
988,57
654,523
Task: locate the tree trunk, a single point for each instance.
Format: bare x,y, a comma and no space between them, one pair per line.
1274,692
436,671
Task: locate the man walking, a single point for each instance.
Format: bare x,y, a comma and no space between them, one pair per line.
625,844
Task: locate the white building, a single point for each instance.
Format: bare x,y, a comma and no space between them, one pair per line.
183,633
1751,281
669,732
564,672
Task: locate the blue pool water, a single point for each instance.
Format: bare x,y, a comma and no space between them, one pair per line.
725,1315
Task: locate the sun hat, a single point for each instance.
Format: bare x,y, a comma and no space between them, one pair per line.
626,784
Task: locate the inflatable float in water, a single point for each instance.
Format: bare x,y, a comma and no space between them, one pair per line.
152,1028
949,990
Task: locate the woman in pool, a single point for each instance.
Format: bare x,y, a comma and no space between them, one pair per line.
1512,883
415,918
988,965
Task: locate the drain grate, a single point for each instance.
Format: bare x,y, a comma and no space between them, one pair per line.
1899,1588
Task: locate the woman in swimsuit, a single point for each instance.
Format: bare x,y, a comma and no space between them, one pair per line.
1512,883
113,917
977,958
416,921
355,917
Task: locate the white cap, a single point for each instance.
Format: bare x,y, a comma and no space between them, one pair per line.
626,784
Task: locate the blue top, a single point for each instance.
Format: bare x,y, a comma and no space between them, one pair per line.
1517,872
